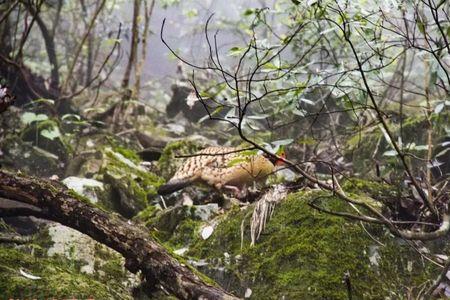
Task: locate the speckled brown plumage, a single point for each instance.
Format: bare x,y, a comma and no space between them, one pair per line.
219,167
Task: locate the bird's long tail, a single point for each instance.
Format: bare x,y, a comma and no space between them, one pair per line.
173,186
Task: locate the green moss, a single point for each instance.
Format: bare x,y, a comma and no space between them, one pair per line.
413,129
176,227
375,189
58,278
303,254
369,145
360,149
147,215
184,234
110,268
41,242
79,197
128,153
147,181
226,237
136,182
312,260
202,276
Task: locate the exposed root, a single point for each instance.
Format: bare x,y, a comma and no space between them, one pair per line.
264,209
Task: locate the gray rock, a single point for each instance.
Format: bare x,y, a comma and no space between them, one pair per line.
85,187
205,212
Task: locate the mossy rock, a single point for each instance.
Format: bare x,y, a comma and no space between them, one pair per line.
176,227
19,155
90,147
360,147
377,190
131,185
414,127
10,120
58,279
369,145
128,185
303,254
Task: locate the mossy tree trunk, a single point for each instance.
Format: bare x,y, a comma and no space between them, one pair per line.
55,202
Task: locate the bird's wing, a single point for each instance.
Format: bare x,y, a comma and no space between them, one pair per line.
252,168
192,169
236,169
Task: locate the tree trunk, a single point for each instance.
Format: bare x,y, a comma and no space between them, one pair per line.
148,11
24,84
50,47
90,46
133,48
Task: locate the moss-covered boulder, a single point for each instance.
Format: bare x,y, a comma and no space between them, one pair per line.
26,276
23,156
304,254
179,226
131,185
369,146
127,185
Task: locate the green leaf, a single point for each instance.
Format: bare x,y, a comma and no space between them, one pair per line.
439,108
192,13
390,153
282,142
442,152
202,119
298,112
168,3
45,153
205,95
248,12
71,116
420,147
307,101
30,117
217,110
93,109
243,157
44,100
270,66
51,133
259,117
111,42
236,51
421,26
249,152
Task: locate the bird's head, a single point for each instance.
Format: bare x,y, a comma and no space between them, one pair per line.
277,161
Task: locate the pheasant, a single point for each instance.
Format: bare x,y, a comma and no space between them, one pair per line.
222,167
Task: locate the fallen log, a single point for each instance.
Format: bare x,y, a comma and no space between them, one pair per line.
141,252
